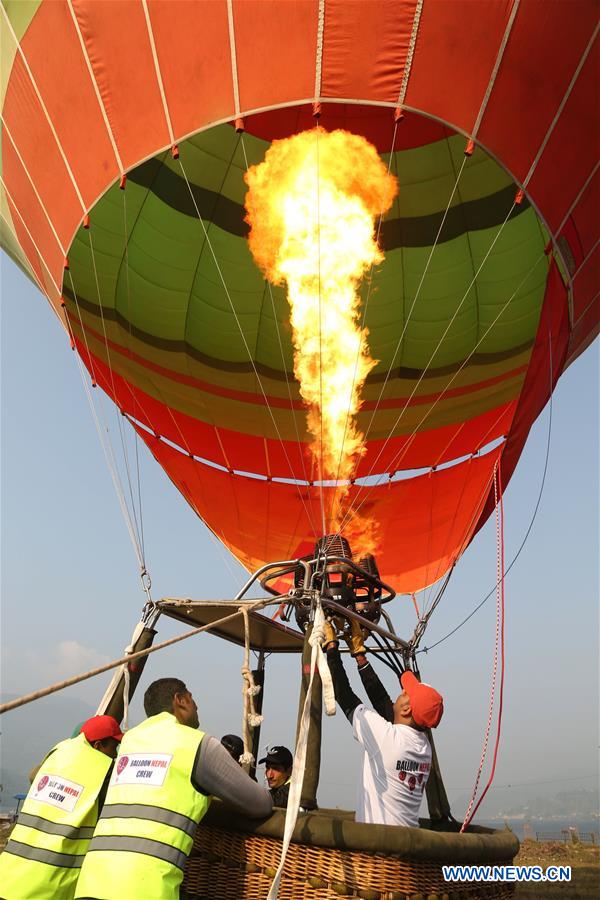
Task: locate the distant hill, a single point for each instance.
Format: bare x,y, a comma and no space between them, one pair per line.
535,801
26,735
578,803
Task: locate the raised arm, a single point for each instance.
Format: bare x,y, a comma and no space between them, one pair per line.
377,694
345,696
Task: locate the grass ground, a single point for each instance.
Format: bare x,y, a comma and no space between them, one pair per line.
584,860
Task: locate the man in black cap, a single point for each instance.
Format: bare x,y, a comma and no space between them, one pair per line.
278,772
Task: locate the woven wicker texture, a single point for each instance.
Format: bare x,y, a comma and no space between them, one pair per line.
227,865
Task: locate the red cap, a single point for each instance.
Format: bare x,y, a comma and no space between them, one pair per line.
100,727
427,705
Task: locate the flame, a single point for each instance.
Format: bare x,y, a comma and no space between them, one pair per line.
312,205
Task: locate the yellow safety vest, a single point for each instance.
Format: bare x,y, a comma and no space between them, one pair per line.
43,857
146,830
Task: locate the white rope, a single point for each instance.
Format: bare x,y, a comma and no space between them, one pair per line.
299,765
245,342
585,309
117,408
319,55
88,64
432,357
411,52
580,194
157,71
29,235
481,443
287,380
109,453
560,108
496,68
400,455
232,48
362,328
44,109
524,184
321,473
31,182
413,304
584,261
236,578
23,259
107,447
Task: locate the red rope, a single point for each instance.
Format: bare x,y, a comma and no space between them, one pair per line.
500,604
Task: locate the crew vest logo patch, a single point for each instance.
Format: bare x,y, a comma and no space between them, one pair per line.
58,792
142,768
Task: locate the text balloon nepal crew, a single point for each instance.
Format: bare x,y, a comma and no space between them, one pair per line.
161,786
43,857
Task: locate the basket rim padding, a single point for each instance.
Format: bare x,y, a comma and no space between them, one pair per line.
336,829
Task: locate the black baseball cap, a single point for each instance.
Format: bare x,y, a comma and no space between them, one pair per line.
279,756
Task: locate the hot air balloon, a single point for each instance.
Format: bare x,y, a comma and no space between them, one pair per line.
127,153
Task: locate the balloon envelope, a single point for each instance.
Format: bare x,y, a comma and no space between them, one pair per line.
478,306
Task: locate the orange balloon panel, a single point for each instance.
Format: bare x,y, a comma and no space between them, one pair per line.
425,522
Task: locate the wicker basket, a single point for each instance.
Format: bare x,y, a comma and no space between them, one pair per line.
233,865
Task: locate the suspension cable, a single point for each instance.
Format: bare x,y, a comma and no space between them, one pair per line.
529,528
435,351
108,450
416,297
425,616
114,391
362,327
283,363
134,418
397,459
246,346
321,473
135,399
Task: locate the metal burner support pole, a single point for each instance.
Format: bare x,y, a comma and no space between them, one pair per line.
259,679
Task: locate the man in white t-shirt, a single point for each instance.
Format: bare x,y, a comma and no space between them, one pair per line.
397,753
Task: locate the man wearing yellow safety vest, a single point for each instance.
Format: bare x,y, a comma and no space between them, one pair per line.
43,857
161,786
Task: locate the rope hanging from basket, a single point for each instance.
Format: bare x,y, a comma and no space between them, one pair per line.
250,718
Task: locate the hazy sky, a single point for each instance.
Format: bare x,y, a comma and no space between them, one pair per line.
71,594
